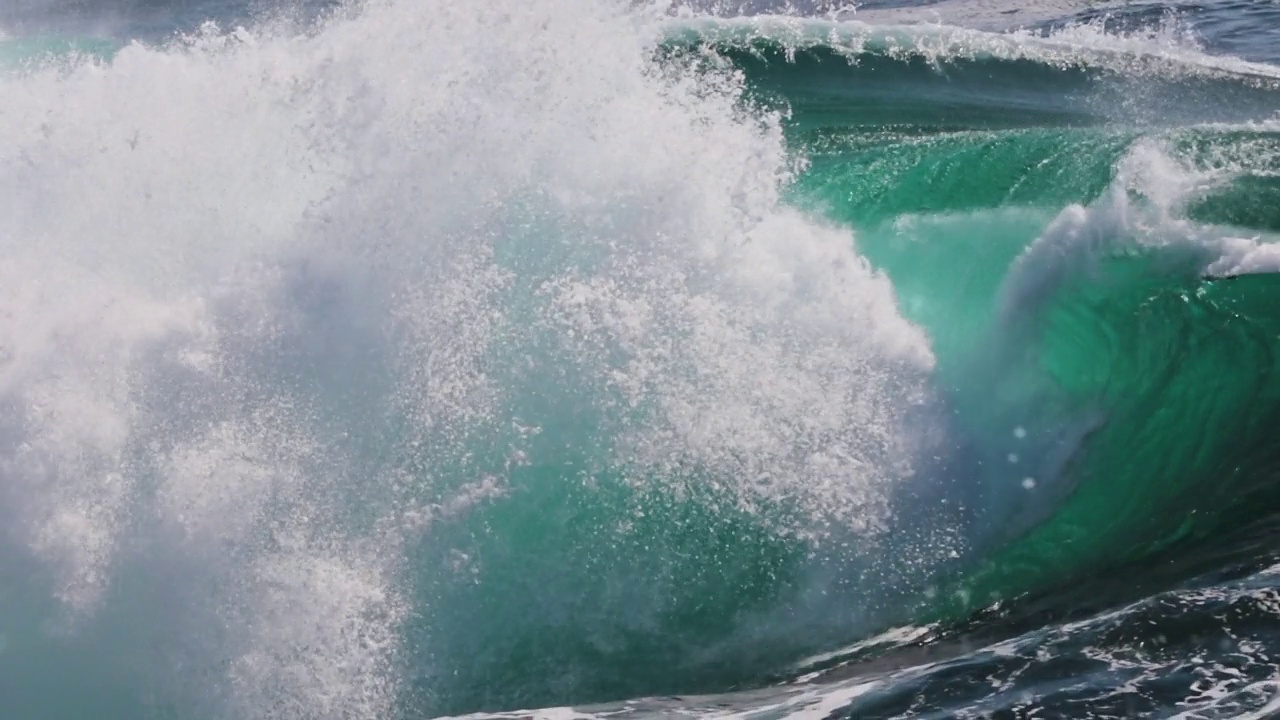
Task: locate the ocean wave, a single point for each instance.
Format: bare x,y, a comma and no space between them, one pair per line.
1165,52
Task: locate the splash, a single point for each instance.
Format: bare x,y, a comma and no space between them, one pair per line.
291,319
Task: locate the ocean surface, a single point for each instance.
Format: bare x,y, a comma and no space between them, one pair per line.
399,359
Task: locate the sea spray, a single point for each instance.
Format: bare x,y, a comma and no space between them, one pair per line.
317,342
431,359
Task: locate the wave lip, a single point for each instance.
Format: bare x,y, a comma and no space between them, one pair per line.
1161,53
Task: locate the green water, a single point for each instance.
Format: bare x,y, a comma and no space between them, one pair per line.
1105,396
27,52
1101,392
559,357
1146,387
1105,400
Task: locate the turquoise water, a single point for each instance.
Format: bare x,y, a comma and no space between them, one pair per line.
393,360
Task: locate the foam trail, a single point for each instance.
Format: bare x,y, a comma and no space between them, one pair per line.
276,304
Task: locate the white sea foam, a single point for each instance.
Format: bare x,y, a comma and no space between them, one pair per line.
1167,51
239,273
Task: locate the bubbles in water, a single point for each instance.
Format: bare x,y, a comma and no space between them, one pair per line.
274,305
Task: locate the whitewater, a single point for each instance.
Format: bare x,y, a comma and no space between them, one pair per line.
396,359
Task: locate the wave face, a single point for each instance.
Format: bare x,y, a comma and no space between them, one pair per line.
1084,222
1095,276
411,359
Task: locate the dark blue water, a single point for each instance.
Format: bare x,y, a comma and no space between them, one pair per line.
1242,28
